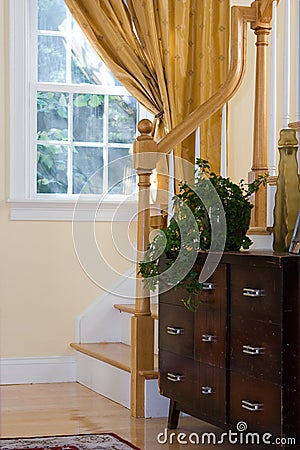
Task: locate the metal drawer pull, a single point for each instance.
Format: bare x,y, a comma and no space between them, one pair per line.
208,286
252,406
206,390
175,330
208,338
175,377
252,350
248,292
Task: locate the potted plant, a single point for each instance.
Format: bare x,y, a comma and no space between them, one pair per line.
191,209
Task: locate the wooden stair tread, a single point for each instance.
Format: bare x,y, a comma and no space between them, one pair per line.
130,308
149,374
116,354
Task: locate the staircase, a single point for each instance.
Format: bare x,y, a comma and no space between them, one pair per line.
114,339
103,350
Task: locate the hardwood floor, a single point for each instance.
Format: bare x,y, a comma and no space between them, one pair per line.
70,408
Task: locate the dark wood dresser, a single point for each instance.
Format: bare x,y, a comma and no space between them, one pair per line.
237,358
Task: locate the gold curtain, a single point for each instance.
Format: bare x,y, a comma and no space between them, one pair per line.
170,55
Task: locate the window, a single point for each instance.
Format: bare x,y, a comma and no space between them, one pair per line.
72,125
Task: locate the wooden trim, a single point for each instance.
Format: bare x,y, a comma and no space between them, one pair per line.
37,369
260,135
130,309
142,358
265,10
272,181
158,221
149,374
116,354
295,125
260,231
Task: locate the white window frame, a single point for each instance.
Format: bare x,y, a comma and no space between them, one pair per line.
25,204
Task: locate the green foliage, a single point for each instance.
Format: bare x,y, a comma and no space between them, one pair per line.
52,126
91,100
237,208
51,169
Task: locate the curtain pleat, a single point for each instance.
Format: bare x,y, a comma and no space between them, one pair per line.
171,55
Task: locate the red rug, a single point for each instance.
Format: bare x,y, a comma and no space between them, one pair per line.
102,441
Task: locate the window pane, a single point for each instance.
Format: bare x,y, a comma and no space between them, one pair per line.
88,170
87,67
52,116
121,176
51,59
52,169
121,119
88,117
51,14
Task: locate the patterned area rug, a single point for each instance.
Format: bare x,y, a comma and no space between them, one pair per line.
103,441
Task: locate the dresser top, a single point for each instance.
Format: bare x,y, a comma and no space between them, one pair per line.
256,258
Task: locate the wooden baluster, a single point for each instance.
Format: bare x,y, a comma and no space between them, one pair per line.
142,324
260,139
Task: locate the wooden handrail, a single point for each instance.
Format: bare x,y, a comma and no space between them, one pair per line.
265,10
239,18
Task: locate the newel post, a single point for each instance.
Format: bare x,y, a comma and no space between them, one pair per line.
142,324
287,198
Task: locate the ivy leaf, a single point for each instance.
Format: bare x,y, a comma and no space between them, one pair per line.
62,100
94,101
81,100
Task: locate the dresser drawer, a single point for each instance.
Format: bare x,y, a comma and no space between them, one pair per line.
210,338
256,348
210,397
177,378
256,292
175,296
256,402
213,297
176,330
199,389
211,320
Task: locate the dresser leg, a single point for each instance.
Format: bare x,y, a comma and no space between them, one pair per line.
173,415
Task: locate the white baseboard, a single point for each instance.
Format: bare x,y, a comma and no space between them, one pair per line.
50,369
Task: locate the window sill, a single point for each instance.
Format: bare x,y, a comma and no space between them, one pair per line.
90,210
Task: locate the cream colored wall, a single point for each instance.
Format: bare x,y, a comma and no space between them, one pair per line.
42,285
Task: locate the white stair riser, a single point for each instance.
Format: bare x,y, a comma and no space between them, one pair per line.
114,383
104,379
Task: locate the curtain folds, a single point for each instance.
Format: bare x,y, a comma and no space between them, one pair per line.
170,55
